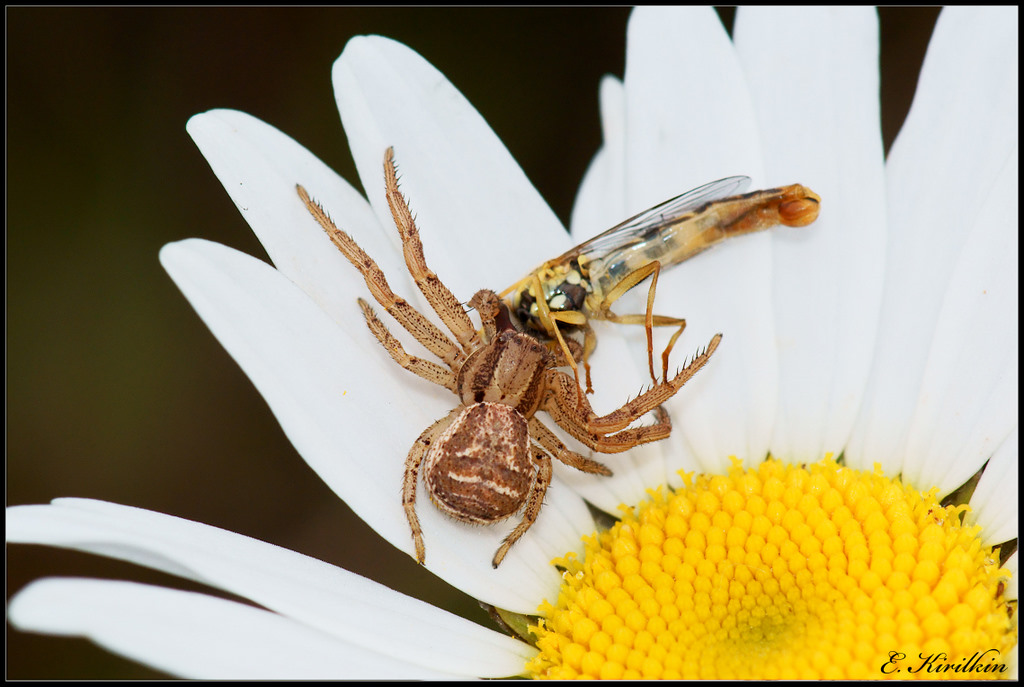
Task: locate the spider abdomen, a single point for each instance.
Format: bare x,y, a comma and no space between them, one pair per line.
480,469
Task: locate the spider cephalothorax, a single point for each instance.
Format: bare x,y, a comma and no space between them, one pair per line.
490,457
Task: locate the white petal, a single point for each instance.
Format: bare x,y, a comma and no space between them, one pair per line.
689,120
1013,587
600,202
483,223
312,593
689,117
957,140
813,75
995,503
353,415
259,167
198,636
969,399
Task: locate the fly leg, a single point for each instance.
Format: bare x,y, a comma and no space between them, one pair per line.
648,319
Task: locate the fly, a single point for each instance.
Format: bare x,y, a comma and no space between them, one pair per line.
582,284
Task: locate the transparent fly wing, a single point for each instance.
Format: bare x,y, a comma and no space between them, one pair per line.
650,220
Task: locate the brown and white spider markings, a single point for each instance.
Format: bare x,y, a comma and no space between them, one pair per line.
490,457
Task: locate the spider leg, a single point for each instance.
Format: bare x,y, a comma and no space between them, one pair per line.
487,305
604,442
430,371
655,396
412,471
416,324
533,504
635,436
546,438
585,425
494,315
441,299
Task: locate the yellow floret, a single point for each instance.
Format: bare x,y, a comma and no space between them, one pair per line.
781,572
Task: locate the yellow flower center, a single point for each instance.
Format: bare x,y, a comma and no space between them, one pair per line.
781,572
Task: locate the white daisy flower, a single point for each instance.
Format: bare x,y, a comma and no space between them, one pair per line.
885,333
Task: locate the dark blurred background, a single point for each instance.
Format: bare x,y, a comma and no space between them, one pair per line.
115,388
